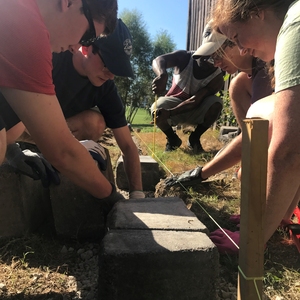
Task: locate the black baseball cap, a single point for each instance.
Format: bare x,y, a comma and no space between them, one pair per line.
115,50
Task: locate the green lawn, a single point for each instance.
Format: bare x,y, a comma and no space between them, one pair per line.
142,120
142,117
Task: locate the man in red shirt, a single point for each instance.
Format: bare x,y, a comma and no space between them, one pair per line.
31,30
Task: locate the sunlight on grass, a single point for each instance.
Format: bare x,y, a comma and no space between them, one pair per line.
179,160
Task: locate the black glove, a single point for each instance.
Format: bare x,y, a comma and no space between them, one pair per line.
97,152
31,164
111,200
188,178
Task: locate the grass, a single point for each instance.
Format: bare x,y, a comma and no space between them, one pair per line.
142,120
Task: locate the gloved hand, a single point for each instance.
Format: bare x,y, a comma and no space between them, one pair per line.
235,219
136,195
97,152
223,243
31,164
111,200
188,178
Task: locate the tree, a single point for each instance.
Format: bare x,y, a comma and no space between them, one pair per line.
162,44
137,92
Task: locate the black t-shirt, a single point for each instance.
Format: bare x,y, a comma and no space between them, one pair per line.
75,94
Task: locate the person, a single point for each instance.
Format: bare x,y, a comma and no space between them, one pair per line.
26,80
191,99
89,99
252,81
251,84
267,29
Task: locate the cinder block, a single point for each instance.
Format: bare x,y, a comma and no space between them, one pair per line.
25,204
76,213
157,264
227,129
149,170
154,214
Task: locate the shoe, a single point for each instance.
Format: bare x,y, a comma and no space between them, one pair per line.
173,144
194,144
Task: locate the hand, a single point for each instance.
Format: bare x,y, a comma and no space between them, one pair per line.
159,84
111,200
97,152
223,243
162,115
188,178
235,219
136,195
31,164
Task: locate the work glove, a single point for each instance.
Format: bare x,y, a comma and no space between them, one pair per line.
31,164
235,219
111,200
223,243
136,195
188,178
97,152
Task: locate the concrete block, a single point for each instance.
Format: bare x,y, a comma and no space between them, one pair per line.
149,170
227,129
154,214
156,264
76,213
25,204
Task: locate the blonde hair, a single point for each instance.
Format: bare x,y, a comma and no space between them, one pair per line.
230,11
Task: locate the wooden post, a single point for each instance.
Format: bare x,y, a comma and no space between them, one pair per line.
253,201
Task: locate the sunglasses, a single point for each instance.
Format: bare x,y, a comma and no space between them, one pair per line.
90,35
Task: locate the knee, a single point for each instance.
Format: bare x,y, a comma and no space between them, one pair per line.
15,132
213,112
87,125
94,126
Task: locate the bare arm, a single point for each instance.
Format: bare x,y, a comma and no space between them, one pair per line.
240,90
230,156
131,158
283,178
212,88
177,60
42,116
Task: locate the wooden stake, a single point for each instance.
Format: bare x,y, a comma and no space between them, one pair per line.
253,201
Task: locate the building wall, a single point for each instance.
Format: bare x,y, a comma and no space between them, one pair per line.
199,14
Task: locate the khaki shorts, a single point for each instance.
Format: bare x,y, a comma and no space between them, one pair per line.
194,117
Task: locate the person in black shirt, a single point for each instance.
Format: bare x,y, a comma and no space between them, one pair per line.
89,98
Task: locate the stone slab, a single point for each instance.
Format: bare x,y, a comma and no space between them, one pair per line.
149,170
154,213
150,264
25,204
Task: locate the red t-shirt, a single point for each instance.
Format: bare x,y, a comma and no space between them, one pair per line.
25,50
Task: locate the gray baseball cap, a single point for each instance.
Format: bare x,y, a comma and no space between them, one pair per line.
115,50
